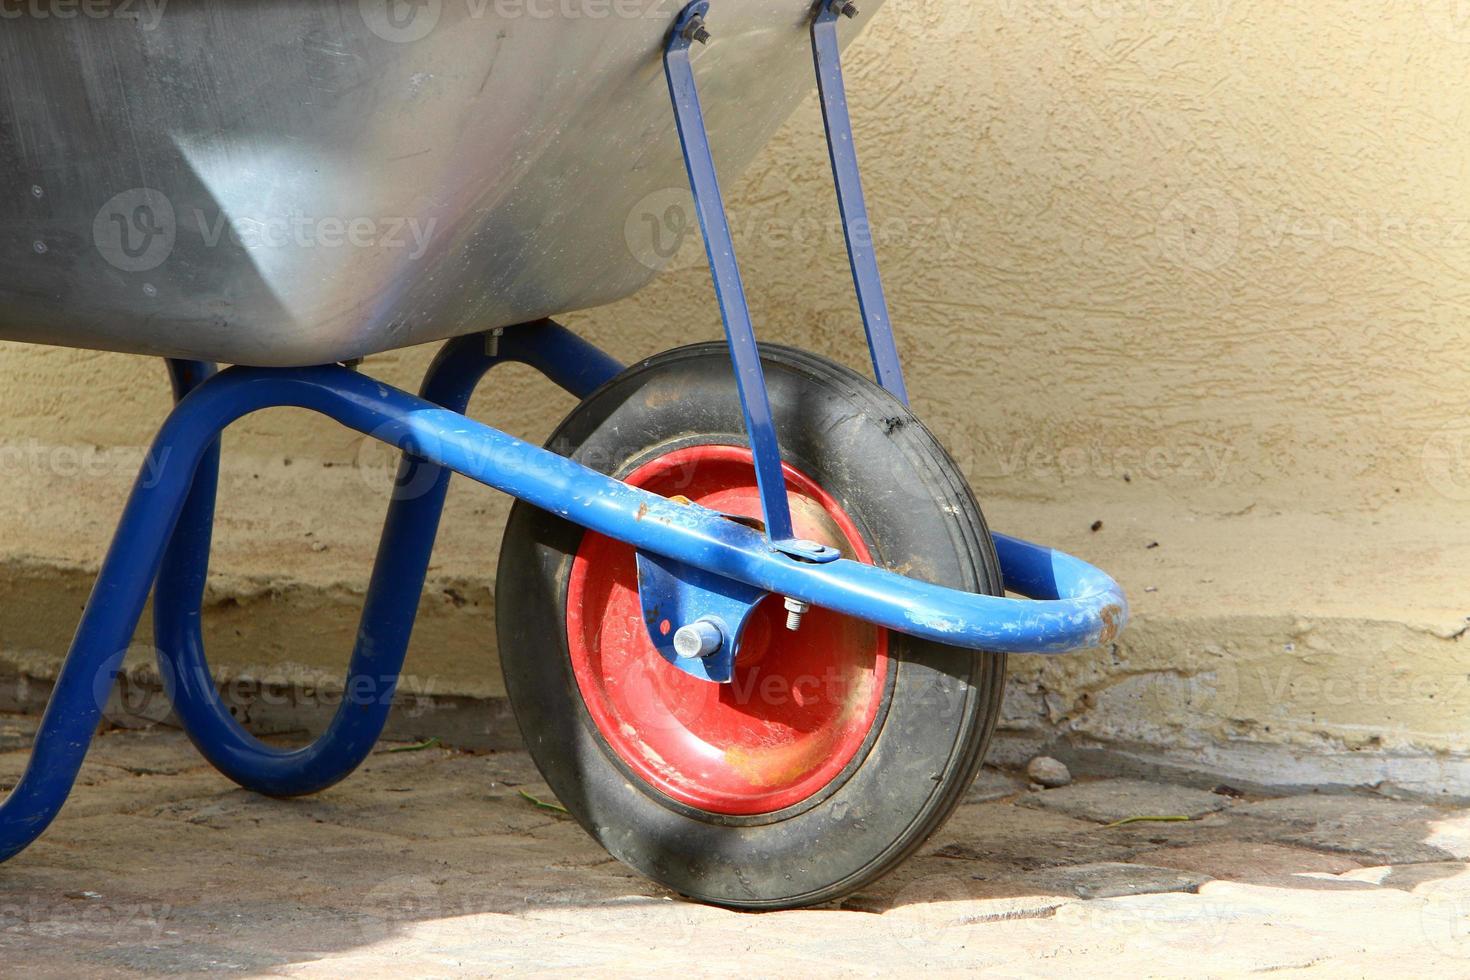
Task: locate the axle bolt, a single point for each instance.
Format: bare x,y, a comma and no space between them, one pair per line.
700,639
843,7
795,609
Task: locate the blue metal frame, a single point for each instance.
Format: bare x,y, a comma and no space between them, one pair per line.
393,592
163,535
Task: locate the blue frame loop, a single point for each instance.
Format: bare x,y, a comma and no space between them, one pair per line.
402,562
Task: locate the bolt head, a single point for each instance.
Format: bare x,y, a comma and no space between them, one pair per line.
698,640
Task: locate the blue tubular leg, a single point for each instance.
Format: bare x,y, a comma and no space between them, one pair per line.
393,593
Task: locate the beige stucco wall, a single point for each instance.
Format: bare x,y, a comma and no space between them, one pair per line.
1198,268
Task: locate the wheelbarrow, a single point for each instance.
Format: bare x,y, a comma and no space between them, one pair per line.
751,621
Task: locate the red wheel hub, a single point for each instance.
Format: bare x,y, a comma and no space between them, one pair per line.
800,705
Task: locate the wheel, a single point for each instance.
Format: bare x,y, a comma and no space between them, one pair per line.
837,749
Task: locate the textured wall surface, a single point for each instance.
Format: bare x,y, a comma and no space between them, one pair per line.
1203,265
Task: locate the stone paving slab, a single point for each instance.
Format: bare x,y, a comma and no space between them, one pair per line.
1249,861
431,863
1113,879
1110,800
1383,831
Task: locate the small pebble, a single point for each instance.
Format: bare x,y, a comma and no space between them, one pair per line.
1097,525
1048,772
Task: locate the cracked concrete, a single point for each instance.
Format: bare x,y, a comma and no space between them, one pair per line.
433,863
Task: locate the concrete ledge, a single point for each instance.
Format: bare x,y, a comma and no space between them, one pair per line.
1267,649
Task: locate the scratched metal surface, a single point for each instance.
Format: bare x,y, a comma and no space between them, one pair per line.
282,182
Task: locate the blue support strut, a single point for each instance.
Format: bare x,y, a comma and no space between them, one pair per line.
719,245
393,593
848,178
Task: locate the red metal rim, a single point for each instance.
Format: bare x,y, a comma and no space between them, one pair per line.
801,705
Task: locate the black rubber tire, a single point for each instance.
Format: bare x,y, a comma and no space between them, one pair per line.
915,512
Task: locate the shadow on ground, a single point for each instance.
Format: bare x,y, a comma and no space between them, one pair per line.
434,861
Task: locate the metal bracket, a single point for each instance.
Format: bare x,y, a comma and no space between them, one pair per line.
695,619
847,177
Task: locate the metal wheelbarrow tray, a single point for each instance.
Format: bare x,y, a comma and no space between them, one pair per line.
750,618
293,182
